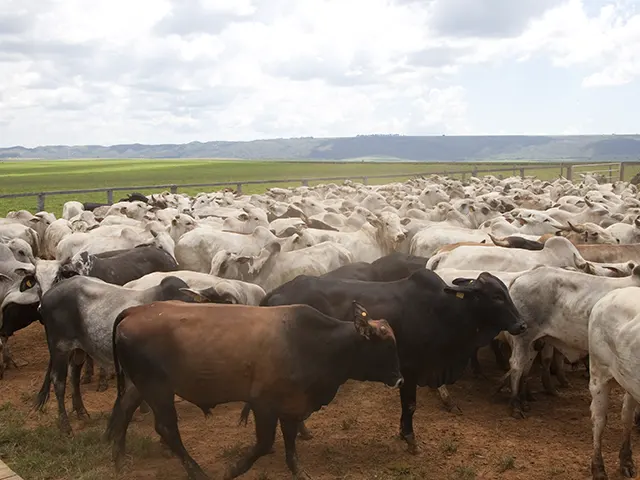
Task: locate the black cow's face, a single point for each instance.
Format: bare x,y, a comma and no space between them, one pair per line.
493,303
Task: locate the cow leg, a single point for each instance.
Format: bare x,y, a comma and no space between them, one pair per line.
88,371
627,467
599,386
166,423
501,359
1,357
561,375
408,400
266,424
103,384
521,360
59,379
304,432
77,362
449,404
475,363
289,432
119,421
7,358
547,357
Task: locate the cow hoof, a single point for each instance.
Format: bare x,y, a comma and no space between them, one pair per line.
102,387
454,409
302,475
628,470
305,435
65,429
83,415
86,379
598,472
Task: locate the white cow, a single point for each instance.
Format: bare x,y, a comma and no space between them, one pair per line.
557,252
235,290
556,305
273,267
614,346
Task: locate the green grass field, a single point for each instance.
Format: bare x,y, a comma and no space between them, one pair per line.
40,176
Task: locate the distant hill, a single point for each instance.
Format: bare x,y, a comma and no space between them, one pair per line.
368,148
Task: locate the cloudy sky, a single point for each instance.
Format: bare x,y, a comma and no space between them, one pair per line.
160,71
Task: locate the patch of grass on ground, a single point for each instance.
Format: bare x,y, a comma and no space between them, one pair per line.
54,175
43,453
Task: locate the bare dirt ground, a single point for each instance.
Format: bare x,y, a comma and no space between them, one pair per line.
355,436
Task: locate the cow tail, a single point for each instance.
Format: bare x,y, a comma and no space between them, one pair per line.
43,394
120,380
244,415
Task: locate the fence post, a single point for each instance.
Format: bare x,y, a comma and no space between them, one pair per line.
239,187
174,189
365,180
570,172
522,172
110,197
609,173
475,171
41,197
561,169
622,171
305,183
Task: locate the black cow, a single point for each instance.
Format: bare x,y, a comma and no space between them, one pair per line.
123,266
389,268
91,206
437,327
394,266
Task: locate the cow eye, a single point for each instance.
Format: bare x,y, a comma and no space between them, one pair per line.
27,282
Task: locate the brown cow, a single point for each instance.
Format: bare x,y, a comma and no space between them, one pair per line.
286,362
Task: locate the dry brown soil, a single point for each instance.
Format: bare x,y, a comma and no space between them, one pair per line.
355,436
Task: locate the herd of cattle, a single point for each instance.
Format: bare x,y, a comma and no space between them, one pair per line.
277,299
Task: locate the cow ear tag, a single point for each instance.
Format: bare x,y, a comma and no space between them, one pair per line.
460,295
364,314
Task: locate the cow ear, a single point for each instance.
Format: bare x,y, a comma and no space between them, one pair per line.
361,320
243,216
405,221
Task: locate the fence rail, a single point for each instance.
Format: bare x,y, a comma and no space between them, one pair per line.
566,170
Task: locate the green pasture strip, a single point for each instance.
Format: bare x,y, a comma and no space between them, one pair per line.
50,175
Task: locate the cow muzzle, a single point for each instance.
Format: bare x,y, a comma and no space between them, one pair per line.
518,328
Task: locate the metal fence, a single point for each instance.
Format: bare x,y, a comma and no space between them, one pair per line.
567,170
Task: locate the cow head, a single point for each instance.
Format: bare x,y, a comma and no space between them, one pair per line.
590,233
390,229
19,301
491,303
50,272
377,360
21,250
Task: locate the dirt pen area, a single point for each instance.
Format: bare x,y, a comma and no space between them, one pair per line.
354,437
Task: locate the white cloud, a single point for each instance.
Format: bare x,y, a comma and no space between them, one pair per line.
180,70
